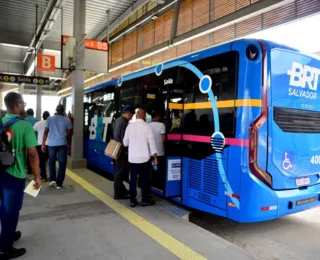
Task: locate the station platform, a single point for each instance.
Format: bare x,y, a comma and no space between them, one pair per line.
83,221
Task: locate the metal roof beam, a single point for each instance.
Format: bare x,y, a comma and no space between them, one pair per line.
174,22
143,19
121,18
50,15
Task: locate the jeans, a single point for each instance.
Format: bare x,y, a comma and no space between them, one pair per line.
121,174
62,153
43,158
11,200
143,170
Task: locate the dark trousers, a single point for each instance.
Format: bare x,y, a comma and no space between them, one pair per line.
60,152
43,158
141,169
11,199
121,174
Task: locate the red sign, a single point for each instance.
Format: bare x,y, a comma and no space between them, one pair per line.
46,63
90,44
96,45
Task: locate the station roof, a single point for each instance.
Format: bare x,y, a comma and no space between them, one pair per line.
18,18
18,26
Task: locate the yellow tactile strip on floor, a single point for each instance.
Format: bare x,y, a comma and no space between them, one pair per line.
164,239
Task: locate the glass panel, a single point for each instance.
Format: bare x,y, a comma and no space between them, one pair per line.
99,114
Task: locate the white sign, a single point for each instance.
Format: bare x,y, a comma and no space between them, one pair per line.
168,81
305,78
174,170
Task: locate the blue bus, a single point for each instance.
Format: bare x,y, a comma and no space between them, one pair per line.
242,122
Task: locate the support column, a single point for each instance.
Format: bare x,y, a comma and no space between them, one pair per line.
174,23
38,90
21,89
76,160
1,102
39,105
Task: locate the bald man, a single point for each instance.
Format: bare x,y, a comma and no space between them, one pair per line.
140,140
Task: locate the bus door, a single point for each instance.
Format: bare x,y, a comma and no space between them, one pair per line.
174,114
153,98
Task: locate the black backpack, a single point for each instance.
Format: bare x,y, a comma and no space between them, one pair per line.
7,158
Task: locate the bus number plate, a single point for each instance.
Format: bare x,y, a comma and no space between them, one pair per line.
306,201
303,181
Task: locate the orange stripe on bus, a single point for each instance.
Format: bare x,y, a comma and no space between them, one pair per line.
248,103
220,104
176,106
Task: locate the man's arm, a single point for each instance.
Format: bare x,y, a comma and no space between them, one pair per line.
163,132
152,145
126,138
44,139
34,164
31,142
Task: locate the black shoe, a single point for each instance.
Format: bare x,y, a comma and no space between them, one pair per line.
12,253
149,202
17,236
123,197
133,203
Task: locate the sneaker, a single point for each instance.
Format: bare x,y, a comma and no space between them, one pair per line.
53,183
17,236
12,253
59,187
44,179
149,202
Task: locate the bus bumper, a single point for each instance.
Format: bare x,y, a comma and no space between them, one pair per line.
261,203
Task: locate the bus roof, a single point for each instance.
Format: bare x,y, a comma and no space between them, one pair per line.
193,57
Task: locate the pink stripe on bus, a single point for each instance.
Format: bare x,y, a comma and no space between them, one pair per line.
237,142
207,139
197,138
174,137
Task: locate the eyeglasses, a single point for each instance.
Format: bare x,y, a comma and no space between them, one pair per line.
24,103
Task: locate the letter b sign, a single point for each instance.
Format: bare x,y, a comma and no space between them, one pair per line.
46,63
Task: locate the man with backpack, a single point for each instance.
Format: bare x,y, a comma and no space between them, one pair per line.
17,139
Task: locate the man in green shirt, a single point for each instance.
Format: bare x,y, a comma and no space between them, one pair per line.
23,141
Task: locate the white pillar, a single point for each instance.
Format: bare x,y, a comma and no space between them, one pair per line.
1,101
38,110
77,160
21,89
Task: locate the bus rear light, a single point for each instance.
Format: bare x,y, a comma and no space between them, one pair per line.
253,158
269,208
236,196
254,128
231,205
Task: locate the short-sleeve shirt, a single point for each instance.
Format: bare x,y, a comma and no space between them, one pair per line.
158,130
23,137
31,119
39,128
58,130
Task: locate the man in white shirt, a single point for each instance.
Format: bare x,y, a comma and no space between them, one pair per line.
43,157
140,140
159,132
